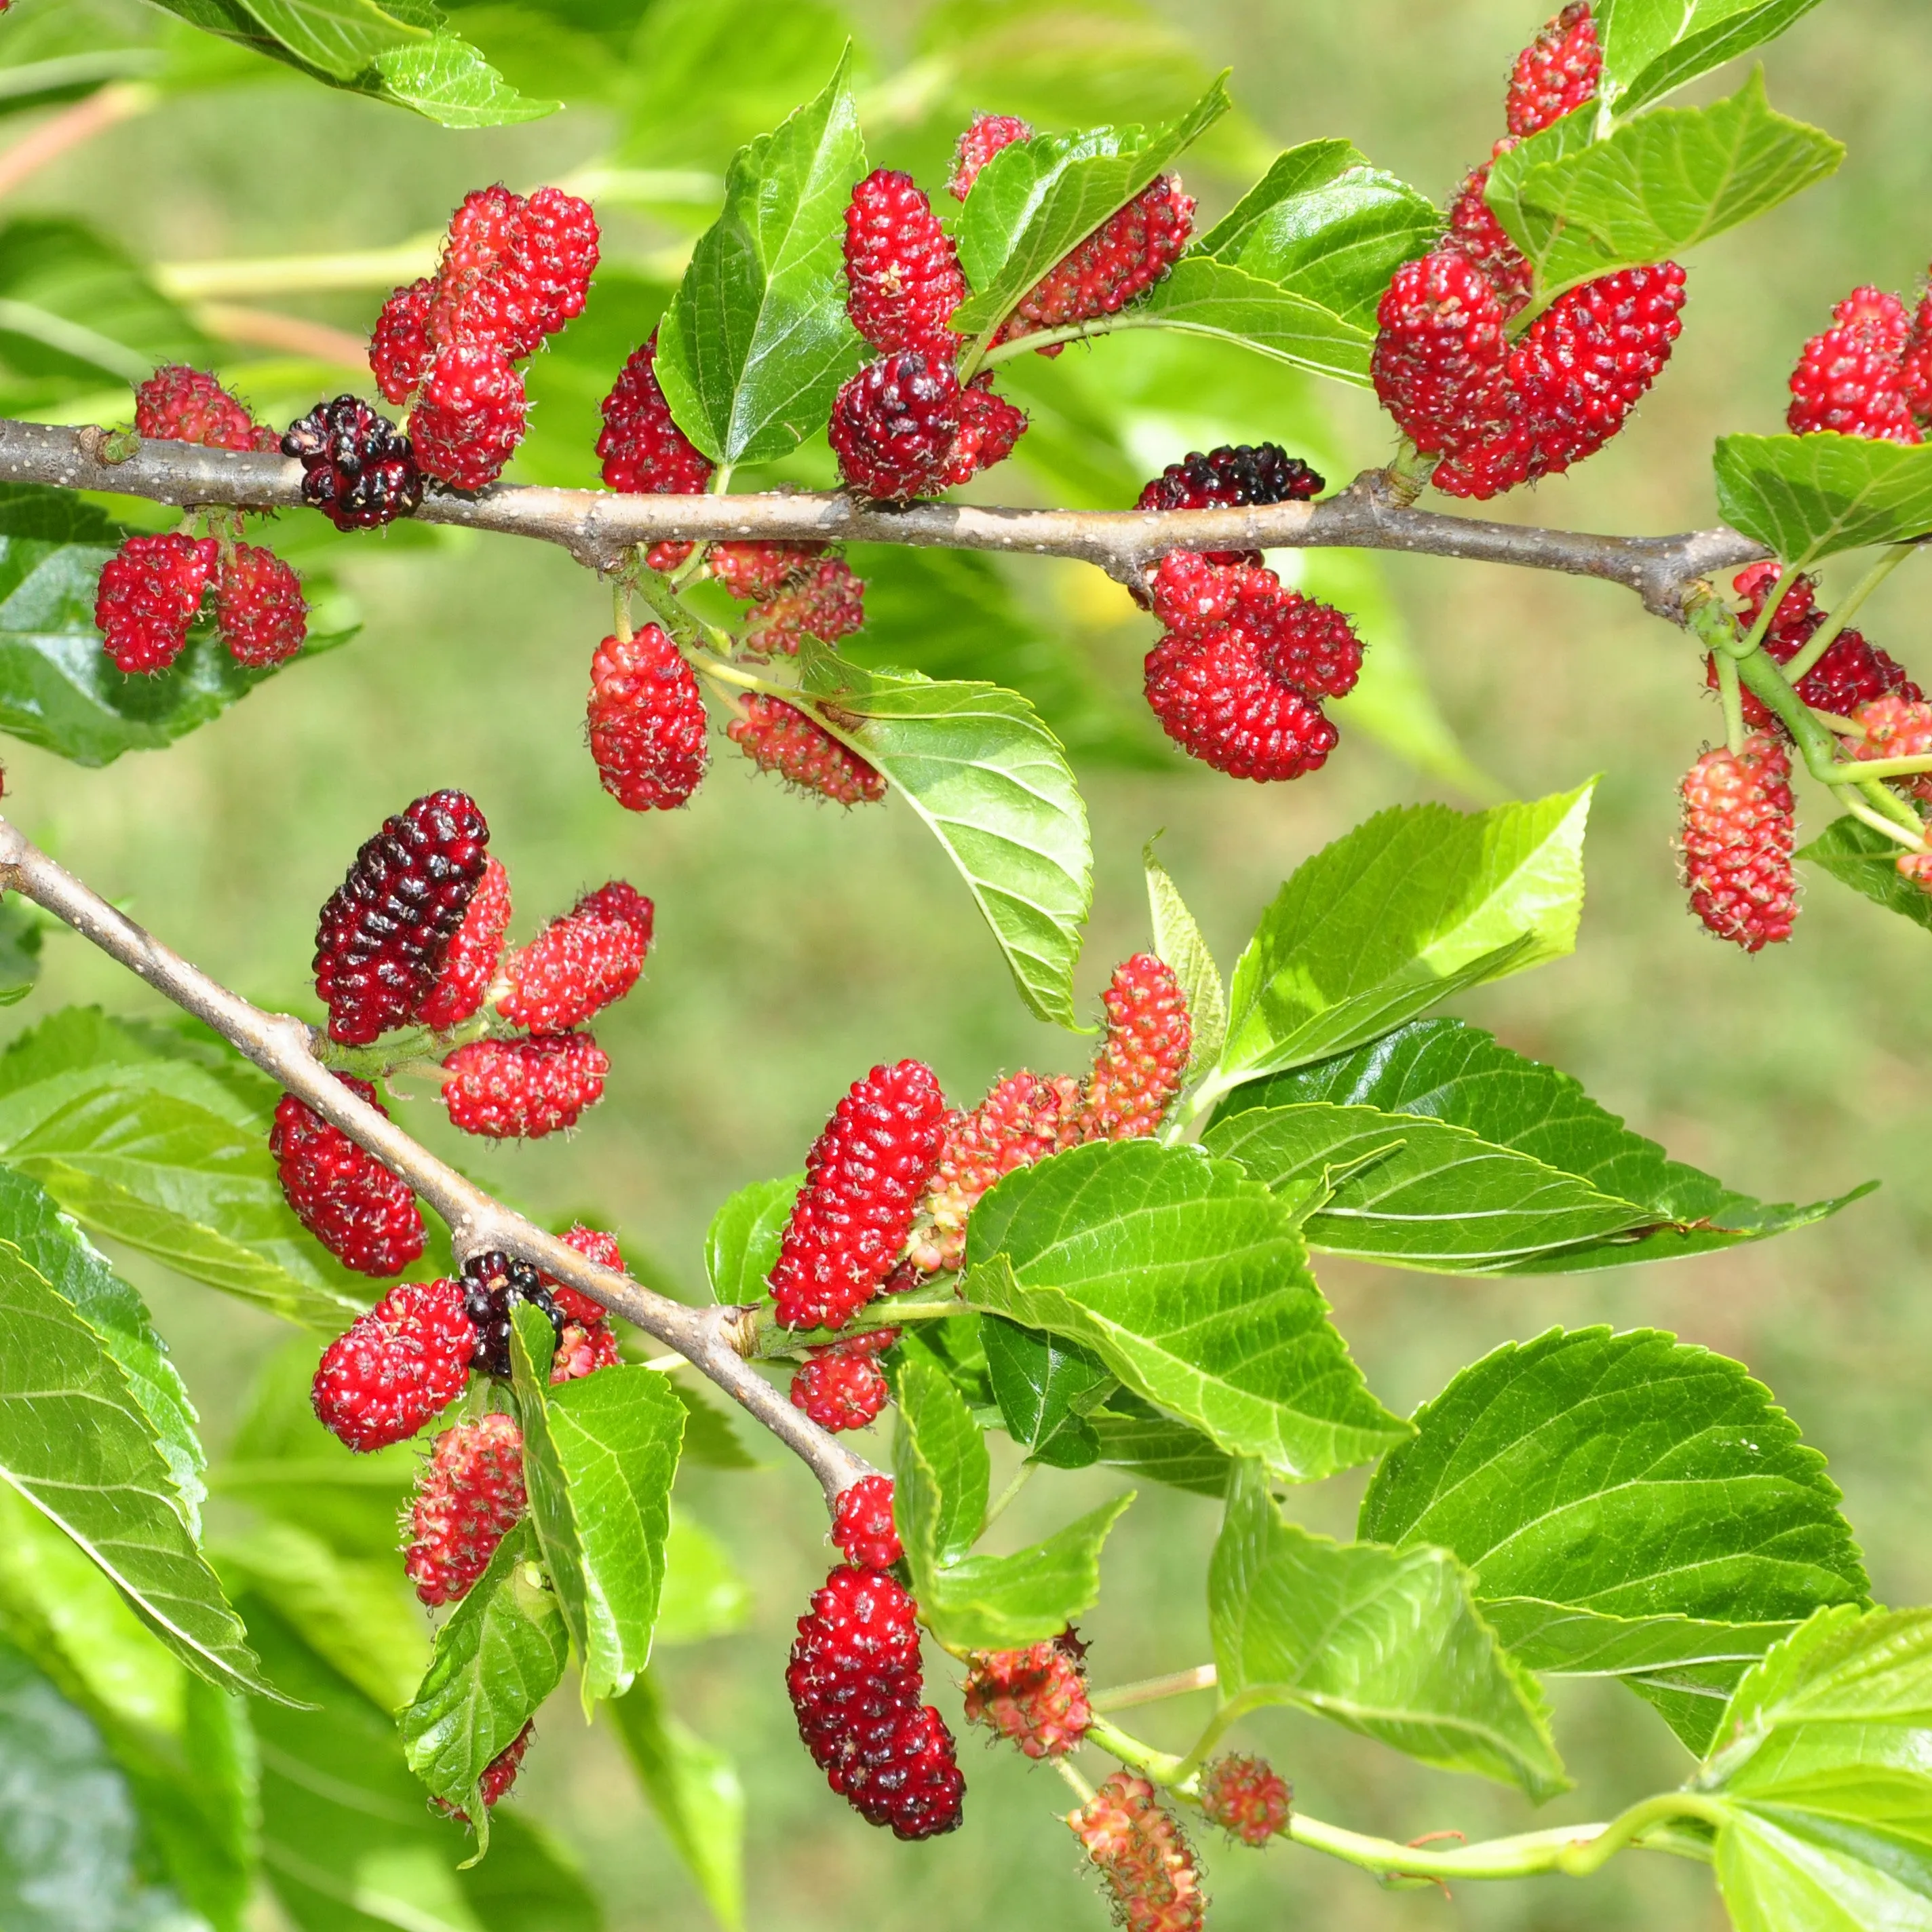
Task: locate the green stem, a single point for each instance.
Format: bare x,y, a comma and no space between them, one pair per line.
1152,1690
1913,838
769,1339
1890,768
414,1049
1161,1767
1021,1476
1827,634
1732,699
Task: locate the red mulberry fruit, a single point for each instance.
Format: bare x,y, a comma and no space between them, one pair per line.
1247,1796
981,142
582,1350
470,962
523,1089
862,1526
646,721
498,1774
1852,671
576,967
1229,477
150,590
840,1386
363,1214
400,348
1130,251
828,604
1556,72
644,451
752,571
593,1246
1852,378
1915,370
863,1179
1217,698
1474,228
893,425
470,417
901,275
778,737
1739,830
183,405
989,428
395,1367
1143,1060
470,1496
259,607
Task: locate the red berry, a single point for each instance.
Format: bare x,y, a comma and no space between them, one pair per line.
1309,646
523,1089
1143,1060
1474,228
778,737
828,604
470,1496
363,1214
902,275
1852,378
1739,830
1130,251
498,1774
863,1179
1898,727
1218,699
482,229
643,450
862,1526
753,570
470,417
400,348
395,1367
382,937
259,607
582,1349
1036,1697
470,963
646,721
1556,72
1023,1119
576,967
1227,477
893,425
184,405
1914,369
595,1247
149,593
855,1684
1852,671
1247,1796
981,142
1584,363
551,256
989,428
840,1386
1143,1855
513,271
357,469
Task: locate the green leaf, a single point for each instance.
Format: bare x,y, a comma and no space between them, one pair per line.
1046,1386
1036,200
1417,1193
1449,1071
693,1787
992,783
710,1439
349,1843
1135,1436
1386,1641
1805,497
599,1454
445,80
1206,297
1178,941
741,1247
1857,855
501,1654
1188,1279
704,1596
1323,224
1414,905
1660,185
757,341
341,37
21,935
939,1457
1652,47
76,1443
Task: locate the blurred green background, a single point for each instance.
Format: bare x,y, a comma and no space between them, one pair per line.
798,944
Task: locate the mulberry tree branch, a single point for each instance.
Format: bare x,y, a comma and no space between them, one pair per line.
714,1341
600,528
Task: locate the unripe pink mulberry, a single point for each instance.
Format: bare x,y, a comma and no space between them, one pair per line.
582,1349
363,1214
1143,1060
523,1089
863,1179
470,962
1142,1854
1896,727
470,1496
828,604
1247,1796
1035,1698
1739,830
259,607
862,1526
902,275
646,721
394,1367
150,591
778,737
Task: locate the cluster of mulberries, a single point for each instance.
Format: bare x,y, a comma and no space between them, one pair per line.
1499,406
1870,374
513,270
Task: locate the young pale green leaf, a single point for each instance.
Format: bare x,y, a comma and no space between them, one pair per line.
500,1655
942,1472
445,80
76,1444
704,1595
741,1247
1136,1437
1418,1193
1805,497
1660,185
1323,224
1188,1279
693,1787
1630,1475
1001,1603
1652,47
1857,855
1411,906
599,1455
1046,1386
1177,940
1036,200
1207,297
993,783
1387,1642
340,37
756,340
1450,1071
350,1845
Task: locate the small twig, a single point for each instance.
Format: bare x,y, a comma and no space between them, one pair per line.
293,334
713,1340
72,128
1152,1690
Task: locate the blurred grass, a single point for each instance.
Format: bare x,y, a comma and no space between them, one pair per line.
798,944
